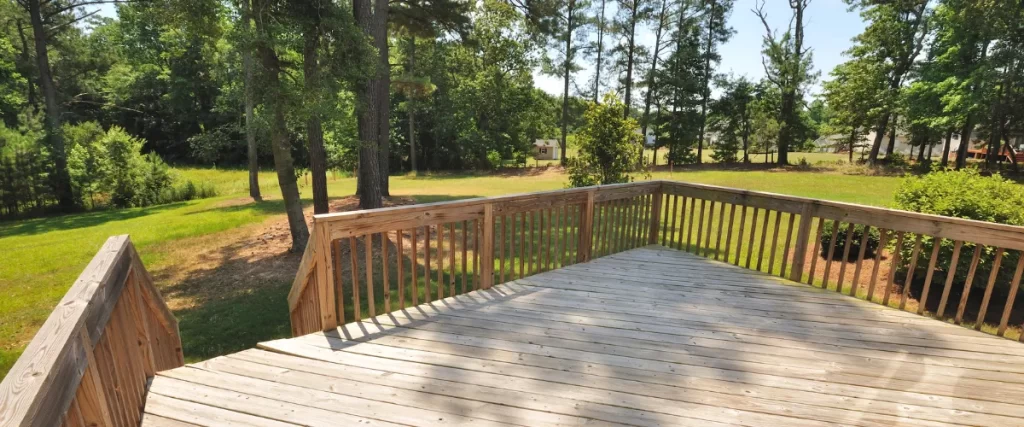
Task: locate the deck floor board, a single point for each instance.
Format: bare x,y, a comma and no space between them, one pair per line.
646,337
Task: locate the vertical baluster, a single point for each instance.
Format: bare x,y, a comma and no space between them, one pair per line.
950,275
426,265
531,250
700,227
789,240
384,241
499,223
563,242
635,214
883,240
831,253
476,254
967,284
910,272
895,265
862,251
666,218
556,235
338,285
370,302
682,222
1014,287
616,224
750,243
775,241
728,235
739,235
993,275
764,237
355,279
545,239
815,251
522,244
399,237
415,286
451,259
671,224
610,227
936,245
710,227
721,228
465,242
689,224
440,261
847,242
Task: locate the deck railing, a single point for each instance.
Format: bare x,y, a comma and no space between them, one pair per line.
91,361
425,252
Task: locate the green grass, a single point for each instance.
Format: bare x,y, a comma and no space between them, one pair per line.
42,257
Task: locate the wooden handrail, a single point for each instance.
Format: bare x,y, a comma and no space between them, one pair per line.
775,233
90,362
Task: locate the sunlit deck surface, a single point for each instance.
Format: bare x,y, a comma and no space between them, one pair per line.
650,336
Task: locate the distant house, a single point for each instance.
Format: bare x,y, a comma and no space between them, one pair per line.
977,149
546,149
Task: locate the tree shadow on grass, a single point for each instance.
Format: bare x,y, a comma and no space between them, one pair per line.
81,220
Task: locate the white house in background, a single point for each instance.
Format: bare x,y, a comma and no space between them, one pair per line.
546,149
837,144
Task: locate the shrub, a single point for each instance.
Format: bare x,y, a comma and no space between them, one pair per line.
963,194
609,150
494,160
124,167
858,233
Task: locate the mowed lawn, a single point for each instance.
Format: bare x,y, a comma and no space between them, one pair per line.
42,257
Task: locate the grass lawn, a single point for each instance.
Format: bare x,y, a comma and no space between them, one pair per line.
42,257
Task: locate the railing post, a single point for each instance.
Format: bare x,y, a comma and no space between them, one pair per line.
652,232
321,237
586,229
802,238
487,249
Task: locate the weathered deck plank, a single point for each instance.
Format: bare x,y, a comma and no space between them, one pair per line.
644,337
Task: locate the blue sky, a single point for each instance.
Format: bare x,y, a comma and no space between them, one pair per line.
830,28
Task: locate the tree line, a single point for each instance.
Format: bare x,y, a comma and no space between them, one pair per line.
932,69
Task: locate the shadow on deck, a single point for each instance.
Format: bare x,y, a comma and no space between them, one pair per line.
649,336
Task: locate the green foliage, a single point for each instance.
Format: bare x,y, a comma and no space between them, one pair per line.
828,232
963,194
494,159
609,149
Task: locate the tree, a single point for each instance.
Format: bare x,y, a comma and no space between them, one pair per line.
608,151
731,114
568,36
715,14
787,65
598,49
851,96
631,14
892,40
249,73
661,26
680,83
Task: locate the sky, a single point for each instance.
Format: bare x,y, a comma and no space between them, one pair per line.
829,30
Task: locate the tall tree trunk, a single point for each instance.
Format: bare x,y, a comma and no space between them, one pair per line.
566,70
248,81
630,52
876,145
891,148
920,152
651,73
380,36
55,139
25,67
945,147
366,119
852,143
965,143
706,88
314,128
600,52
280,146
411,108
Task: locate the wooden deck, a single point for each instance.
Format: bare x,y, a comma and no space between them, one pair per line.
649,336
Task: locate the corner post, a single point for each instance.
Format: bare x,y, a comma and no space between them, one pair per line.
656,196
487,249
321,239
586,228
802,238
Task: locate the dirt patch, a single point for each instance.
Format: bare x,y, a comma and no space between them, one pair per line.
239,261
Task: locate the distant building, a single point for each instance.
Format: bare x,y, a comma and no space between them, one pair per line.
546,149
838,144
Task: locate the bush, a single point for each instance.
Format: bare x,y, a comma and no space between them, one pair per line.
609,150
858,233
963,194
494,160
